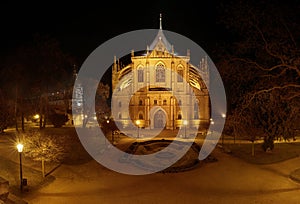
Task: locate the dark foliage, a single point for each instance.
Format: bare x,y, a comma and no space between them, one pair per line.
58,120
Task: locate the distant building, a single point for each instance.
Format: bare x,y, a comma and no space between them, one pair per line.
77,102
152,74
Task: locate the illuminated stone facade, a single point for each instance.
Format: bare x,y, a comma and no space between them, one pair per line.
157,76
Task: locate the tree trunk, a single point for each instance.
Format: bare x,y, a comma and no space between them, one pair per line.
22,114
45,121
268,144
22,117
16,109
41,112
46,111
253,146
43,168
234,137
41,120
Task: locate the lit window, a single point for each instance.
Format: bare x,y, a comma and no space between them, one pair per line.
180,75
141,117
160,73
196,110
140,75
179,116
179,102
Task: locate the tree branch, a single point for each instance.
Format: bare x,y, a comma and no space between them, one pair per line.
253,95
258,66
267,45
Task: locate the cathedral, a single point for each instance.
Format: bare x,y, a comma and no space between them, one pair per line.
154,79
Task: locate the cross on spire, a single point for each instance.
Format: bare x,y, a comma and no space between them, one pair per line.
160,21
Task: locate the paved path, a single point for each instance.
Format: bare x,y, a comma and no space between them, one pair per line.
230,180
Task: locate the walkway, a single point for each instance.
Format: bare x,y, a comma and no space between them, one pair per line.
229,180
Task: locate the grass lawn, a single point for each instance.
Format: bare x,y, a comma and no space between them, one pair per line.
281,152
74,151
11,171
10,168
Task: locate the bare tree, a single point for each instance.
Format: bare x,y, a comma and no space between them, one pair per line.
6,113
101,102
33,70
100,97
261,67
42,147
243,125
53,64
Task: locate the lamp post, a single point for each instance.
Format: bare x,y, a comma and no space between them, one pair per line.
138,122
223,116
107,121
185,122
212,122
20,150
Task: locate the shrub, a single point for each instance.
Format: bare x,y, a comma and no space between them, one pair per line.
58,120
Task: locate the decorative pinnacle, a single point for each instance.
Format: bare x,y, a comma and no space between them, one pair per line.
160,21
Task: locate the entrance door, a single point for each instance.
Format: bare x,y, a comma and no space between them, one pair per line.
159,119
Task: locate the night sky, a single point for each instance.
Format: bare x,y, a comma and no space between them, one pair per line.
81,27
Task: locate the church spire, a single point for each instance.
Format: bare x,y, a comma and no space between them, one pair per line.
160,21
160,38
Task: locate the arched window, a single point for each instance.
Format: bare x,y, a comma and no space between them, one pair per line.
140,75
120,104
141,117
179,116
160,73
180,75
140,102
164,102
120,115
179,102
196,110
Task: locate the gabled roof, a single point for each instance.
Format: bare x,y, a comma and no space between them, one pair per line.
160,42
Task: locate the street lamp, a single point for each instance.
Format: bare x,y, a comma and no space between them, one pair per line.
20,150
212,122
36,116
107,121
223,116
185,122
138,122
